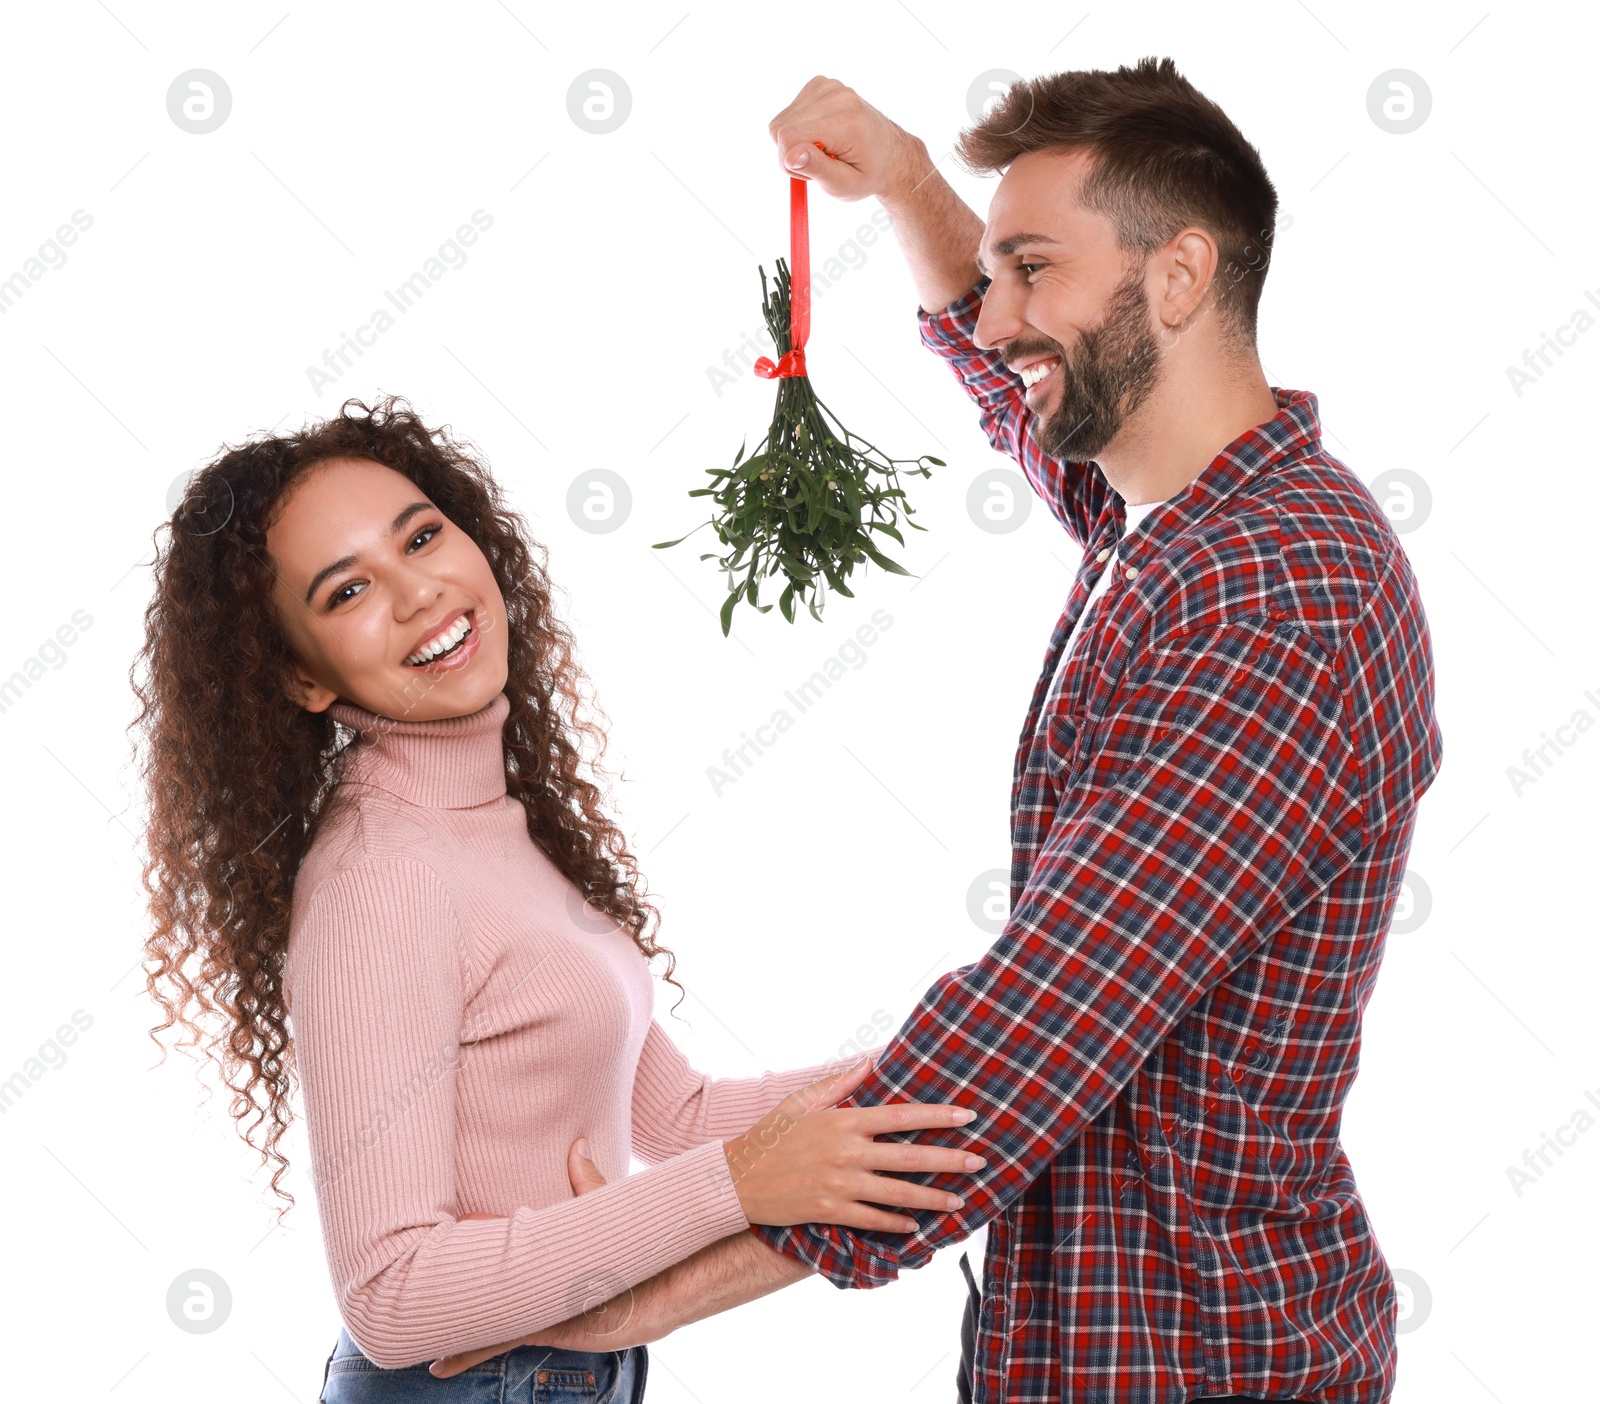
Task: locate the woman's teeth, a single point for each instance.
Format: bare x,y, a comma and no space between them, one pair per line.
447,642
1032,375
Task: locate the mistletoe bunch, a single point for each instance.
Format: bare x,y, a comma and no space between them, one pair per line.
805,504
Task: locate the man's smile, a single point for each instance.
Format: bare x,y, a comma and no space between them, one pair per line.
1036,374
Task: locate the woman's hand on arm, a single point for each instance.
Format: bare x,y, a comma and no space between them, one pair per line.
807,1161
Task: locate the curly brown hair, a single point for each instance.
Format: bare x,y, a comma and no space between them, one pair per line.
239,777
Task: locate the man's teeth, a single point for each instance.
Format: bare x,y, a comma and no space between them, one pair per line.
443,644
1032,375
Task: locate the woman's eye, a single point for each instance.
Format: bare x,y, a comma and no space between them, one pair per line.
339,596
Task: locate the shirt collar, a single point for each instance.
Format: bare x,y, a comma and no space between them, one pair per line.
445,763
1292,432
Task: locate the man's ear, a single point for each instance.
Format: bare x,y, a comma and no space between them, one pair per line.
1191,281
305,691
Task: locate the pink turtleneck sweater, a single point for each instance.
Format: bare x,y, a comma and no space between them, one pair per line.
460,1015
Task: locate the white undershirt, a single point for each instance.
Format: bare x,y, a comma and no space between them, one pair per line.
977,1243
1136,513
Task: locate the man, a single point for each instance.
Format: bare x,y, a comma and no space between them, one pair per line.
1213,797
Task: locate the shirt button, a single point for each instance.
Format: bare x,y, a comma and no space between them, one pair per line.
1130,572
1105,555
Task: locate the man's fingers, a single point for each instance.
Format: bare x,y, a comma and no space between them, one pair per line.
455,1364
581,1169
797,159
803,106
823,136
826,162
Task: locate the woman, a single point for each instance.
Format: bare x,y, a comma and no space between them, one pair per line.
370,815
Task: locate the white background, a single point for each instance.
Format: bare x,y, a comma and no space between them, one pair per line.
832,879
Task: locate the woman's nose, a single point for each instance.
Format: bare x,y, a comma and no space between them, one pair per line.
418,587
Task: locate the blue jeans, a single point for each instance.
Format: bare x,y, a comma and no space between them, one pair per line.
526,1375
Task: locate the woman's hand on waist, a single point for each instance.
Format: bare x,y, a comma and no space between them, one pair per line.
610,1326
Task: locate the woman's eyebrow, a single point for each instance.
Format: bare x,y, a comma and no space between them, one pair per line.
406,514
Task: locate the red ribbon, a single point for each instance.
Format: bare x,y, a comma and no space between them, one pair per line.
793,362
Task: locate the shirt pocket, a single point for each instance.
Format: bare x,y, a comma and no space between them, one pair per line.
1061,734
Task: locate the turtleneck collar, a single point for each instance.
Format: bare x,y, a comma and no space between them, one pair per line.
446,763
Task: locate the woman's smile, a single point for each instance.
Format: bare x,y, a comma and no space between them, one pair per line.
447,649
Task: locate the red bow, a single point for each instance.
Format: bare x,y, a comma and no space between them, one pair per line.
790,363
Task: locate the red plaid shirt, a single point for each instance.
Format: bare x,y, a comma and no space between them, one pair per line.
1210,823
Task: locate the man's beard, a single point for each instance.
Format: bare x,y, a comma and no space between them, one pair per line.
1114,366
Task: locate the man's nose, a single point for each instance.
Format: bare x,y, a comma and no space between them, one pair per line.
997,323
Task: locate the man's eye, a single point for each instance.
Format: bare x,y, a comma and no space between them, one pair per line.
1029,267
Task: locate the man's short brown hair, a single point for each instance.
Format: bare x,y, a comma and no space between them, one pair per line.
1163,156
